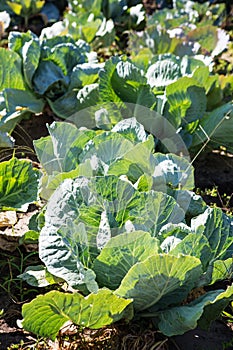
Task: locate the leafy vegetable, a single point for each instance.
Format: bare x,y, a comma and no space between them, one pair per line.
176,92
99,208
123,229
124,235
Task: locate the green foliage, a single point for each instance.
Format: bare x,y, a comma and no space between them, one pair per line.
122,228
62,73
18,185
10,70
41,71
125,150
138,235
25,8
103,22
56,308
11,266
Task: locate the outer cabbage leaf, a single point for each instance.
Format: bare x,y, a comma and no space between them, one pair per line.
163,130
160,280
82,200
216,126
194,245
177,171
7,124
65,53
38,276
49,183
6,140
172,234
203,77
63,251
222,43
135,162
213,40
186,101
155,40
150,211
18,184
219,270
212,87
190,64
107,93
121,81
202,311
22,100
70,105
167,170
120,254
28,47
81,16
161,172
131,130
84,74
126,168
106,34
218,229
190,202
46,314
11,70
107,147
60,151
164,72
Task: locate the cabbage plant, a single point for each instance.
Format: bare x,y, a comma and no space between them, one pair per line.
65,74
123,240
35,71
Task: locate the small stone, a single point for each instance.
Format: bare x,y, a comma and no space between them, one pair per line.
8,218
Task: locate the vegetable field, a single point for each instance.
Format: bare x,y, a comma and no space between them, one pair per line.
116,167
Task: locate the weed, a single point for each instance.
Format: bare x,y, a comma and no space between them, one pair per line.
10,267
216,199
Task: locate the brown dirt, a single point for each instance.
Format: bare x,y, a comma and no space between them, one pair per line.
215,169
9,331
219,337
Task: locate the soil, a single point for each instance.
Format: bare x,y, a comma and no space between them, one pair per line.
10,333
218,337
215,170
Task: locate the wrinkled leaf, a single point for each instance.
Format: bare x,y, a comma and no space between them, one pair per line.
120,254
18,184
46,314
161,280
217,227
186,100
201,311
10,70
